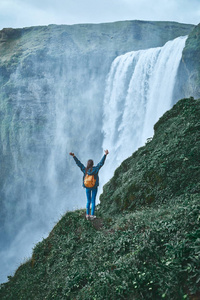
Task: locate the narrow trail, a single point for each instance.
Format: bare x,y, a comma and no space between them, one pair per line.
97,223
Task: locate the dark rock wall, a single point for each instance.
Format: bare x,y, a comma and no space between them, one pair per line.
188,79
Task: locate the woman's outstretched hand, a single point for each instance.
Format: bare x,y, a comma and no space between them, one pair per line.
71,153
106,152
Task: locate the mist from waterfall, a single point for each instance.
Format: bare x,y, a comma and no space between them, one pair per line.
64,113
139,90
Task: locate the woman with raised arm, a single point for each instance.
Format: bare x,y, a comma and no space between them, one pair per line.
90,182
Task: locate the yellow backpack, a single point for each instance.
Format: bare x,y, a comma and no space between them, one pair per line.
89,181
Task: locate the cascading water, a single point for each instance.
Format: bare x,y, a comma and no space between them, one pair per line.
139,90
59,112
46,123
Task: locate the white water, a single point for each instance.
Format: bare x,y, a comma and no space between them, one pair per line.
139,90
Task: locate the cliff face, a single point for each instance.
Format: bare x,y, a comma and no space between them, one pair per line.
112,38
149,253
189,71
82,44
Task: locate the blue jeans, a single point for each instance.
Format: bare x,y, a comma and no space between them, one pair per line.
91,197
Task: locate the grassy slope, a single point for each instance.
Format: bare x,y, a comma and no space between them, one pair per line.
152,252
167,166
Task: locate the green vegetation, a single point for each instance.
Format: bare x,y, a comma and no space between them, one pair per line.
149,254
145,243
166,167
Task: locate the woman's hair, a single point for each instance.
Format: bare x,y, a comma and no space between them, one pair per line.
90,164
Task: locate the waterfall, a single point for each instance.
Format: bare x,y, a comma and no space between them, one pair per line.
49,118
63,109
139,90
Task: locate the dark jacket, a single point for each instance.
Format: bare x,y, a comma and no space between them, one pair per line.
94,171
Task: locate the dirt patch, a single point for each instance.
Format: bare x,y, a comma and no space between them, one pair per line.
97,223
